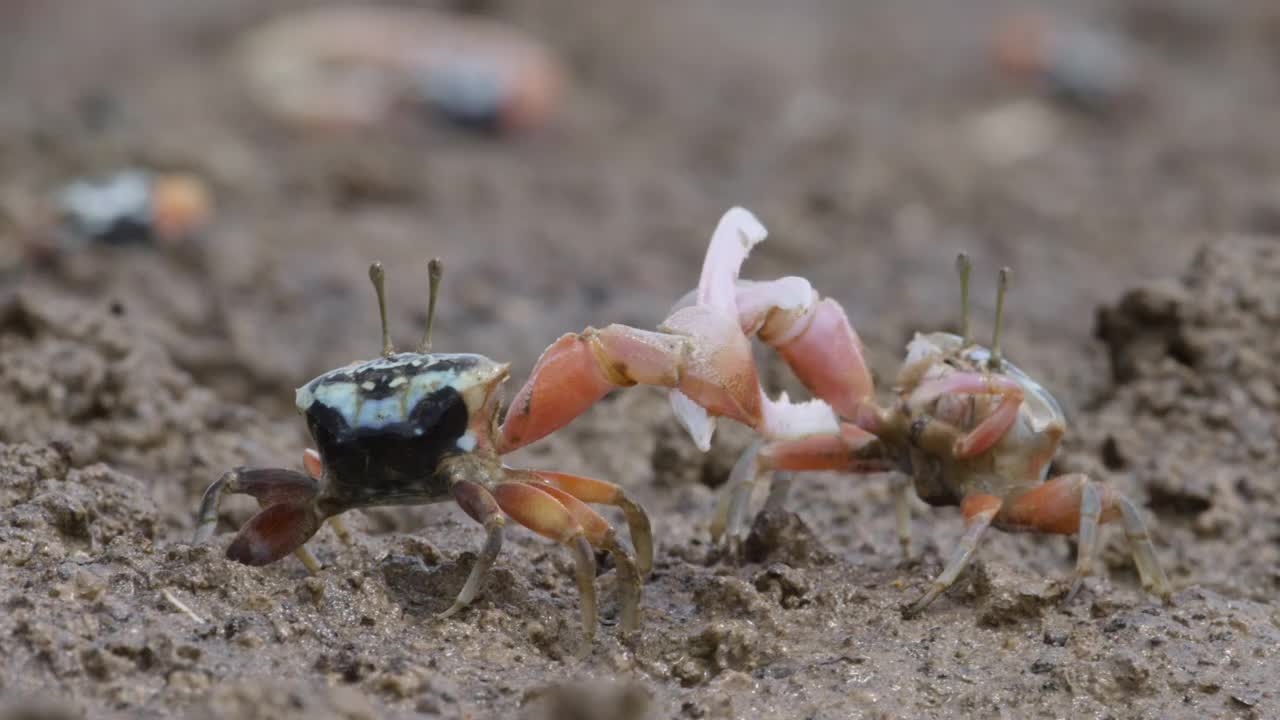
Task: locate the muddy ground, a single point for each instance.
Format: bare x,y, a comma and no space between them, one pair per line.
1146,295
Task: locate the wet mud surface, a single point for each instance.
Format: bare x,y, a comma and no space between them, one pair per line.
1146,261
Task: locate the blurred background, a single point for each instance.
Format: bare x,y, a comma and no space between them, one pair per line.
191,192
1086,145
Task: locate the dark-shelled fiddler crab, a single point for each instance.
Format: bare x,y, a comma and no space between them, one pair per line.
421,427
967,426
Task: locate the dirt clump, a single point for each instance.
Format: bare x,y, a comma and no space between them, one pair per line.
1192,417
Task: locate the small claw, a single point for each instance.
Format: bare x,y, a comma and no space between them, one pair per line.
273,533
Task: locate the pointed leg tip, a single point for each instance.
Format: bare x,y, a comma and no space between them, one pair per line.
454,609
1076,586
313,565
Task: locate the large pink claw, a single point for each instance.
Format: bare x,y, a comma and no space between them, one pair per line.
701,353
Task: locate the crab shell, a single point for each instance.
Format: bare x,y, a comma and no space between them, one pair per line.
382,426
1019,459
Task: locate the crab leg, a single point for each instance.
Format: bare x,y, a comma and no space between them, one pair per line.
903,489
978,511
477,502
1144,554
851,450
539,511
993,427
601,535
1072,503
590,490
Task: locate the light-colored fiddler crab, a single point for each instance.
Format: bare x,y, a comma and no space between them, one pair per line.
419,427
966,425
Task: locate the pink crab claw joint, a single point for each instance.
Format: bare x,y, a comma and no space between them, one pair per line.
700,351
359,65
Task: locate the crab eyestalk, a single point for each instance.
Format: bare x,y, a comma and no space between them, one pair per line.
379,278
1002,287
963,266
435,269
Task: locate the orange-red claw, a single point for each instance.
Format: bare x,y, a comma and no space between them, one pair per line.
565,381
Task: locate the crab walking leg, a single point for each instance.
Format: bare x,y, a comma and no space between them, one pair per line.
483,508
978,511
779,489
902,491
988,432
1072,503
315,468
742,480
601,535
1087,542
1144,554
539,511
590,490
852,449
340,529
